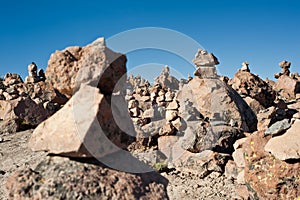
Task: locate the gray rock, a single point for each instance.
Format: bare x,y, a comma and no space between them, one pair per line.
278,127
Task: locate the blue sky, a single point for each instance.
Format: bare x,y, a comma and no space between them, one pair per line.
261,32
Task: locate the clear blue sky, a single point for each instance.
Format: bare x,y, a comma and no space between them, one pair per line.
261,32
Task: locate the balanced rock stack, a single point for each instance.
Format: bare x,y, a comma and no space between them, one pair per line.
33,75
285,66
95,63
287,85
85,129
255,91
205,63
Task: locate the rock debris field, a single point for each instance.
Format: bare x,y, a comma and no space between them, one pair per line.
84,129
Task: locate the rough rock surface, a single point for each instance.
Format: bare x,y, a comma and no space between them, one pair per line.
68,131
94,62
278,127
166,80
287,87
267,176
286,146
61,178
219,102
24,110
248,84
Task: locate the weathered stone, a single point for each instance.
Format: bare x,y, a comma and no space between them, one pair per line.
75,127
177,123
278,127
287,87
264,118
212,96
238,157
248,84
171,115
203,58
286,146
254,104
25,110
166,80
206,72
61,178
173,105
267,176
245,67
167,129
94,63
9,126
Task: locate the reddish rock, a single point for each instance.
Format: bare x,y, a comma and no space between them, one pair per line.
26,111
212,97
254,104
248,84
61,178
267,176
265,117
95,63
287,87
77,128
166,80
286,146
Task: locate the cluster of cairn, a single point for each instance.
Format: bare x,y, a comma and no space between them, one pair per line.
26,104
148,103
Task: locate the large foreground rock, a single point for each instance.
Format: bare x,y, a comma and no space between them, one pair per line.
94,62
61,178
218,102
83,122
286,146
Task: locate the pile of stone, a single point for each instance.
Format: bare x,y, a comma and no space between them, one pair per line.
206,124
26,104
205,63
85,129
34,76
256,92
287,85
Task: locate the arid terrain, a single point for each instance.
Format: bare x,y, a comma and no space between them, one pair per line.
85,129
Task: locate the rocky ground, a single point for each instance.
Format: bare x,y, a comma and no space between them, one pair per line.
84,130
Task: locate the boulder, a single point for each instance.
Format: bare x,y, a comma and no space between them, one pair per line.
248,84
266,176
61,178
278,127
26,111
80,128
68,68
287,87
213,98
286,146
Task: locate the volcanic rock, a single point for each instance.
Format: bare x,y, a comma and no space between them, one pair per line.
166,80
61,178
287,87
278,127
248,84
286,146
212,97
79,128
266,176
95,63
